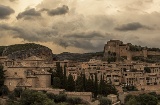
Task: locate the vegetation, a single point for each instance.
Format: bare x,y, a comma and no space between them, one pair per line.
20,47
129,88
142,99
147,70
1,50
105,101
2,76
148,60
81,84
135,48
111,57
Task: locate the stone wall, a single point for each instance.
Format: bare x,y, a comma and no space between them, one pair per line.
87,96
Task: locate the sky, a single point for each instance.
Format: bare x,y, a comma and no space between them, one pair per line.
79,26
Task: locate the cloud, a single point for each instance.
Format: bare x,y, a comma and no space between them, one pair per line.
12,0
5,11
58,11
88,40
30,34
86,35
29,14
132,27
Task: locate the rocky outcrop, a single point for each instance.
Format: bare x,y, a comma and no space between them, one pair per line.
22,51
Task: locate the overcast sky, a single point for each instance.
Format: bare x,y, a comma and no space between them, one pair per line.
79,25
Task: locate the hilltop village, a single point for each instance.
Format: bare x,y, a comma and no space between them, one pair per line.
122,65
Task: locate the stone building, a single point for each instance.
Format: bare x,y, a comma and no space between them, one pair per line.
124,51
28,73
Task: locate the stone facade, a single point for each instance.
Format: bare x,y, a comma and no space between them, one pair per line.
87,96
31,72
123,51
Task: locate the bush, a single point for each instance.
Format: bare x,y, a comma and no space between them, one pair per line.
74,100
11,96
17,92
51,96
11,102
4,90
105,101
60,98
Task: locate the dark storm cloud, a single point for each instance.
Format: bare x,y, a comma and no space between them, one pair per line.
12,0
41,35
89,40
28,14
132,27
5,11
58,11
87,35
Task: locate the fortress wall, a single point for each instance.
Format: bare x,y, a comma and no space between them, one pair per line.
153,53
19,71
44,81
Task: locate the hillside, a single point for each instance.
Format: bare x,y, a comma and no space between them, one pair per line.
78,57
22,51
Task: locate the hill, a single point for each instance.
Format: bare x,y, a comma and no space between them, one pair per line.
22,51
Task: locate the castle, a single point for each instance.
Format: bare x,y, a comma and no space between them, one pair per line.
119,50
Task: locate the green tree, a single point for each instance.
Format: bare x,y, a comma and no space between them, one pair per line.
18,92
84,82
56,82
100,86
59,72
105,101
132,101
147,99
70,83
4,90
89,85
128,97
79,84
96,86
147,69
64,77
2,76
30,97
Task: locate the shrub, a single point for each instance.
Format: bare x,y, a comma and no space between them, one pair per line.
60,98
74,100
17,92
105,101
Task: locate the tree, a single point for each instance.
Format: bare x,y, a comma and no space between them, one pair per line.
147,99
56,82
30,97
74,101
100,86
2,76
4,90
132,101
84,82
64,77
105,101
18,92
59,72
79,84
96,86
147,69
128,97
70,83
89,85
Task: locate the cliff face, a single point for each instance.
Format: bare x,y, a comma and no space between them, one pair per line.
22,51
